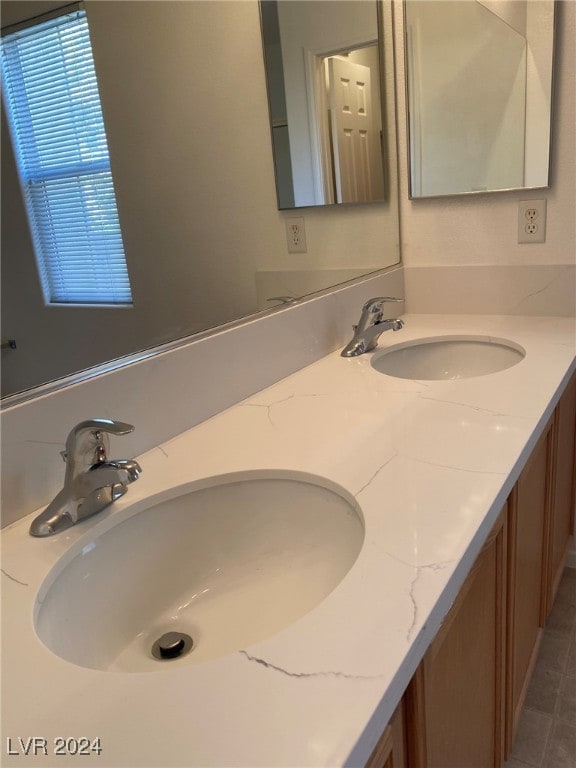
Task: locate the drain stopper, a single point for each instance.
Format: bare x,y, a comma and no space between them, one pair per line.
172,645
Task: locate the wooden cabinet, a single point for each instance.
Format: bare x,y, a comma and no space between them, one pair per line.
540,524
528,506
455,703
563,492
390,752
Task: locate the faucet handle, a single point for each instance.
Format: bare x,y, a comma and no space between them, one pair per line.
87,443
375,305
101,425
372,312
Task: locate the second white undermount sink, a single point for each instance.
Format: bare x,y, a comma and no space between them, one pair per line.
211,570
448,357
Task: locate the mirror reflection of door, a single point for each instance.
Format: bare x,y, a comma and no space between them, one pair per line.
354,138
347,126
330,144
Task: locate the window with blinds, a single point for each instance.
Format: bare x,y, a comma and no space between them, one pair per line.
57,131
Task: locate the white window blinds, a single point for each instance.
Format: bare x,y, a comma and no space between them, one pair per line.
53,106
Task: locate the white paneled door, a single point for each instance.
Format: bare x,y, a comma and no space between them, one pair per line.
352,130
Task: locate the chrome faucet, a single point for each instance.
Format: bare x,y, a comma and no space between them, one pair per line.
370,326
92,481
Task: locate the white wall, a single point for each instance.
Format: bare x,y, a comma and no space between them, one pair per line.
514,14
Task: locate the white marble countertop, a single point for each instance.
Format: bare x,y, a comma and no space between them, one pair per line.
430,464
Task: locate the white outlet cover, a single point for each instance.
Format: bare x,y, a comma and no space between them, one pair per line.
296,235
532,221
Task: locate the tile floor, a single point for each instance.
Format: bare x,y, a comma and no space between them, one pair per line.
546,736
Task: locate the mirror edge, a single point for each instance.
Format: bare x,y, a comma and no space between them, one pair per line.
78,377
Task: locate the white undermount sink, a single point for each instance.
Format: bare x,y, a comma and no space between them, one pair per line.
448,357
225,563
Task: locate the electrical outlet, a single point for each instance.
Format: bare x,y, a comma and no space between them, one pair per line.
532,221
296,235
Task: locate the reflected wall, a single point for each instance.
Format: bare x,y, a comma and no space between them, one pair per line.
479,94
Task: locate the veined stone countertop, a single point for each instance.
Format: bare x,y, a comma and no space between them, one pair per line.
430,463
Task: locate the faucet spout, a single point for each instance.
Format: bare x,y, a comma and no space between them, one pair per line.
55,518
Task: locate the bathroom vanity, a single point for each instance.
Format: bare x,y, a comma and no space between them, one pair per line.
463,704
420,649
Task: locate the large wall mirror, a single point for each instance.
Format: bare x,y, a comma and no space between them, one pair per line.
183,92
479,80
325,96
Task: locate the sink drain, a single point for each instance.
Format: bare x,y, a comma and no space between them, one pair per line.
172,645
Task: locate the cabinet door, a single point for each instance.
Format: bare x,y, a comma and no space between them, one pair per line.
390,751
561,523
527,524
455,703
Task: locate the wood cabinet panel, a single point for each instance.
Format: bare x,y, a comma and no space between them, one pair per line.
456,698
563,471
390,752
527,524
